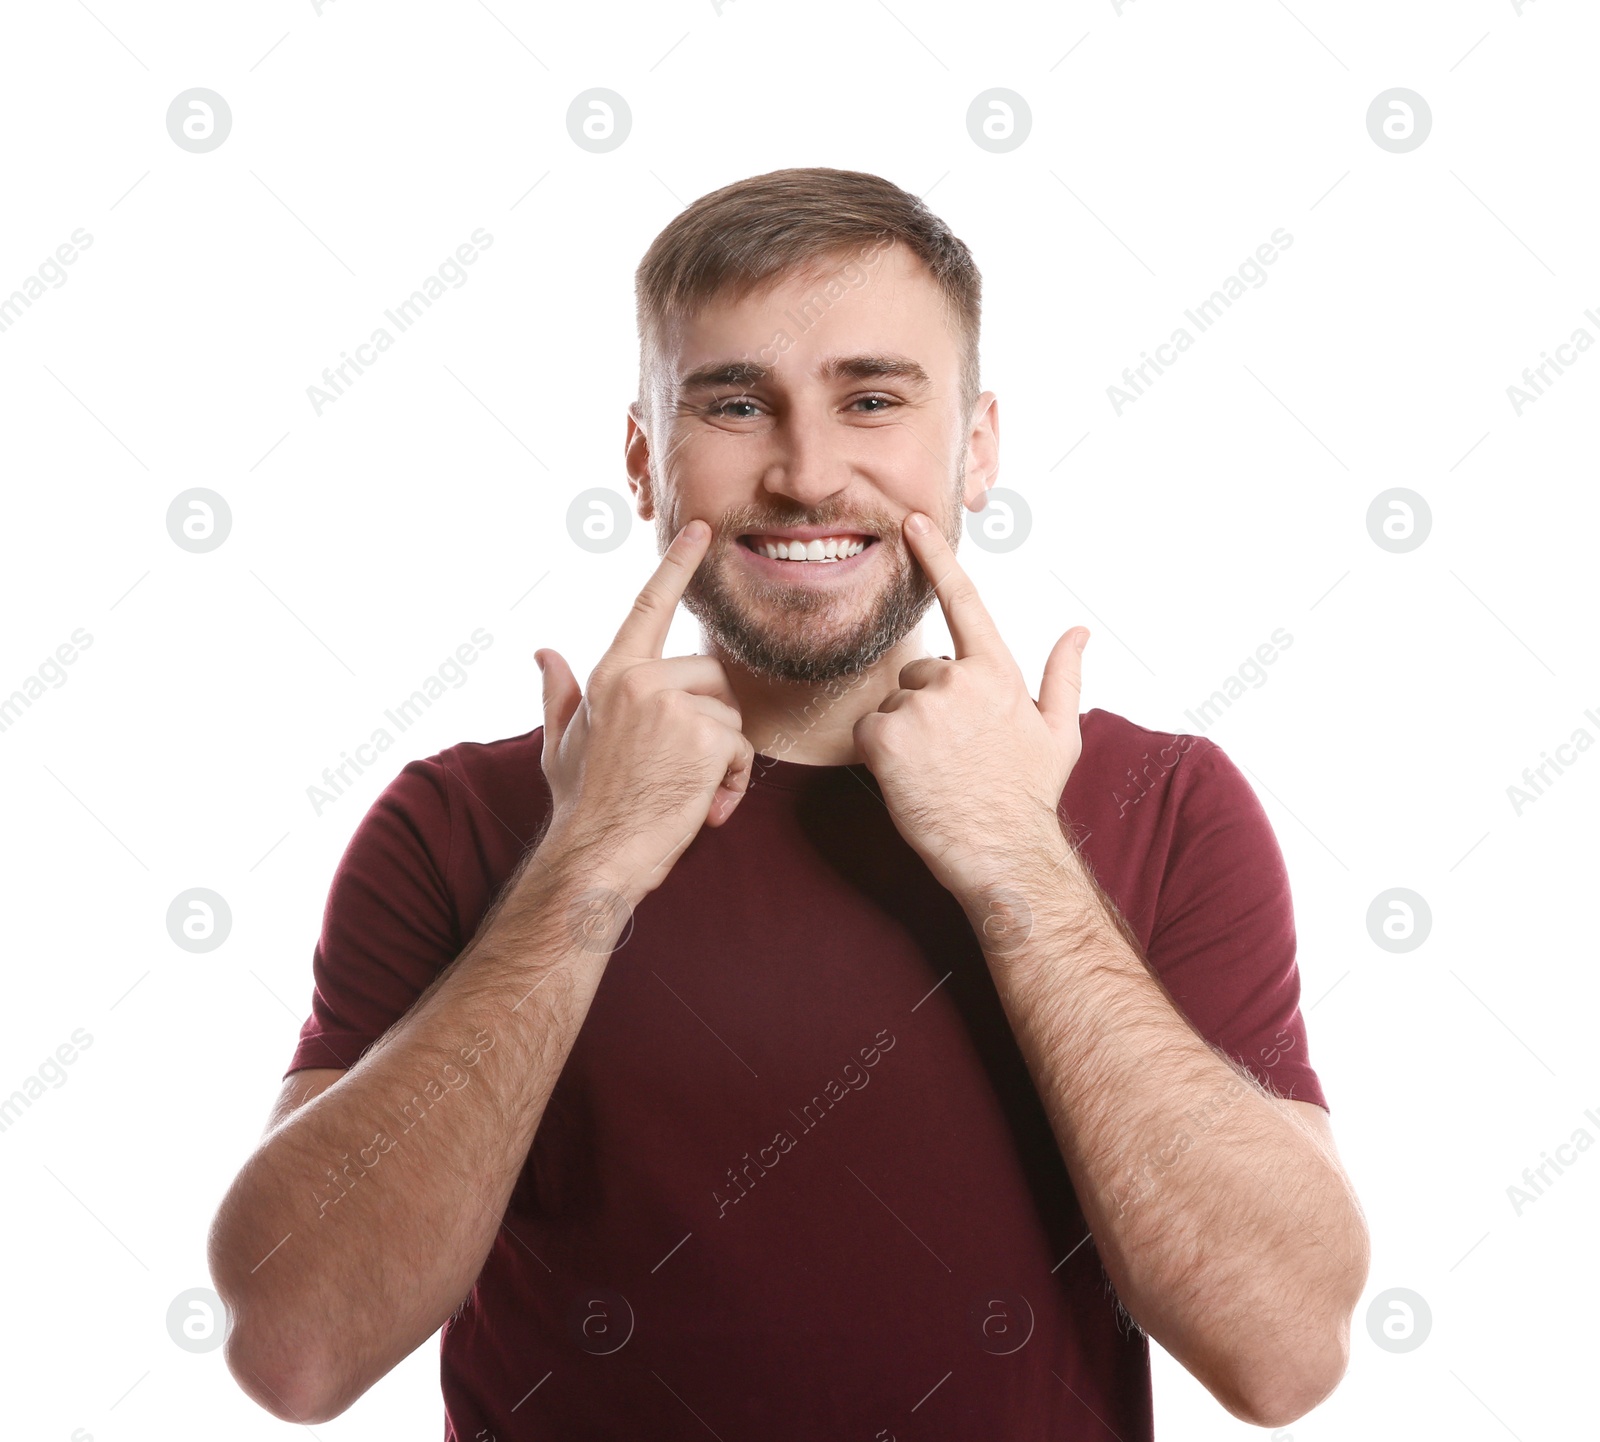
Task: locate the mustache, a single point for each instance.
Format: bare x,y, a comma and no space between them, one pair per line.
745,523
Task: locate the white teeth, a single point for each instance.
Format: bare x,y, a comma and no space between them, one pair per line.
833,548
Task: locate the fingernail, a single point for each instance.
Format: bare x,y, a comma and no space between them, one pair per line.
1082,641
695,529
916,523
539,661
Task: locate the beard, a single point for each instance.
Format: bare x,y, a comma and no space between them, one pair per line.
797,633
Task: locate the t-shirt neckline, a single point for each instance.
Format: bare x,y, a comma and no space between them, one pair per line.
784,775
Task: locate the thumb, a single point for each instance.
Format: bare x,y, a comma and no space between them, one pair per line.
1062,685
561,695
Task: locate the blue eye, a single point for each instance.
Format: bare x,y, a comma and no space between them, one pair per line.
880,404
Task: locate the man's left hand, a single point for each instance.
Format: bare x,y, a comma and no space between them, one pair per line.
972,768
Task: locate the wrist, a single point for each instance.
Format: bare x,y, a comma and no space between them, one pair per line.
1026,857
586,862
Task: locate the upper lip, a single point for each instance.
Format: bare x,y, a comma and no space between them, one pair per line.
807,533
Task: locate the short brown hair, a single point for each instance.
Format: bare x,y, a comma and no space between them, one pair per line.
792,222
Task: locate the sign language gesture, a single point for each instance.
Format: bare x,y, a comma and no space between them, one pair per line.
651,749
971,767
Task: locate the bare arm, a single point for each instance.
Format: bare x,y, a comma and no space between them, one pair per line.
364,1218
1222,1216
366,1213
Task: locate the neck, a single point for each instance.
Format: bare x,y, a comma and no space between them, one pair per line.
812,722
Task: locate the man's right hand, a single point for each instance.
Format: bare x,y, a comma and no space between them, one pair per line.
651,749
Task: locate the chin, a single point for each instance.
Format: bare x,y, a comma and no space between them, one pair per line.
805,649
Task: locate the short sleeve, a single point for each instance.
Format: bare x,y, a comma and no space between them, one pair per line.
388,926
1224,940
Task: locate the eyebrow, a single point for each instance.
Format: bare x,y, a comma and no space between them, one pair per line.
746,373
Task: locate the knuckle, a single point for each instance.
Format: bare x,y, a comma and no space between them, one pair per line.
644,604
707,733
633,685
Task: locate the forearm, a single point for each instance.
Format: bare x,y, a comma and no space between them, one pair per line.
1229,1232
363,1220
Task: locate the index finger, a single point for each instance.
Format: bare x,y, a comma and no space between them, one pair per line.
971,627
643,632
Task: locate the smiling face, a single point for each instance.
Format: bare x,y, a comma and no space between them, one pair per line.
800,425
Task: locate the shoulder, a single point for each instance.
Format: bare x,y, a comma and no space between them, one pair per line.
1128,771
491,788
1159,815
507,759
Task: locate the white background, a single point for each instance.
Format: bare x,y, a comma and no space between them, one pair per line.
369,542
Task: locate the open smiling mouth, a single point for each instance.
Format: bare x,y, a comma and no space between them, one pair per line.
820,549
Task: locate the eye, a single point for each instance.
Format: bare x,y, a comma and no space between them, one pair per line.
882,402
721,408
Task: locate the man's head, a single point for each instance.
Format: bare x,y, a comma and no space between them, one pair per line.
808,364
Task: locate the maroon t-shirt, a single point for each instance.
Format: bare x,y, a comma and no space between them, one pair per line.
794,1181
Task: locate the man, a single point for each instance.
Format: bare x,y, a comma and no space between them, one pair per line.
810,1037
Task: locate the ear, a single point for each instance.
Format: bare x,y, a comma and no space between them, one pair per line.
983,450
636,459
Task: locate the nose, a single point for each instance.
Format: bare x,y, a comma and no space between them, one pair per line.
809,461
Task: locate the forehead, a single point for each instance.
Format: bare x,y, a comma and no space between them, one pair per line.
803,323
